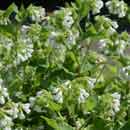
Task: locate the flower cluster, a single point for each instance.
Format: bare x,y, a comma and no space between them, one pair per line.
36,14
124,72
16,110
106,24
117,7
121,45
26,49
6,123
115,103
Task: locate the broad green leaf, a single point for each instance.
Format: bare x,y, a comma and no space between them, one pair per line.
51,122
100,124
91,103
64,126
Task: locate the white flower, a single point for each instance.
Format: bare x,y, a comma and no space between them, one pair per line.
19,128
98,5
67,84
39,93
116,95
57,95
6,42
37,108
24,29
121,45
68,21
91,82
26,108
18,93
115,103
83,96
13,111
32,100
25,52
111,30
78,124
6,121
71,38
7,128
2,100
114,24
21,115
38,14
24,46
5,92
52,38
122,14
124,72
102,43
111,25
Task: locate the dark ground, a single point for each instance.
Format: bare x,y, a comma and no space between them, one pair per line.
50,5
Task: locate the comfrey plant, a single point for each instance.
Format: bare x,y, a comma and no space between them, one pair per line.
117,7
56,74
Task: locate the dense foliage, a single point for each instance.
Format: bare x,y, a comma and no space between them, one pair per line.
55,75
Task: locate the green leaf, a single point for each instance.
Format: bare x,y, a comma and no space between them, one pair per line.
126,126
82,8
51,122
54,106
91,103
100,124
10,9
57,126
65,126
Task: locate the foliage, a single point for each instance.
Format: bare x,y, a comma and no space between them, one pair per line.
54,75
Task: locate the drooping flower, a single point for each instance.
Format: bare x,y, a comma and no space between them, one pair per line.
3,93
36,13
6,123
115,103
57,95
25,50
121,45
117,7
26,108
83,96
32,100
13,112
114,24
98,5
116,95
68,20
91,82
125,72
